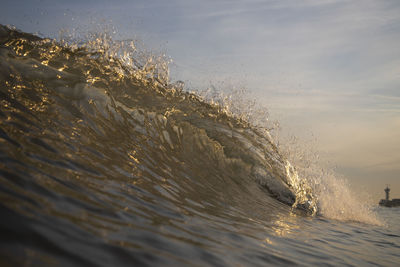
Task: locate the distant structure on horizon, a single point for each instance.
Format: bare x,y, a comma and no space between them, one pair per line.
387,202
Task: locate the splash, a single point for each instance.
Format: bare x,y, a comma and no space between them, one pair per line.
332,193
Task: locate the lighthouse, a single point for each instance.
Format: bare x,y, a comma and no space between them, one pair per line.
389,203
387,190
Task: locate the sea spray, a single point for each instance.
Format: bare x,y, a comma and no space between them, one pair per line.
334,197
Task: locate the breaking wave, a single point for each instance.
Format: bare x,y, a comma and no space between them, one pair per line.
94,135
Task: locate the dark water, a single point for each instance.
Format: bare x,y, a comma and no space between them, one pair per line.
105,163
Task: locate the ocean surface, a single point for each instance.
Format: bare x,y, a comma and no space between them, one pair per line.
105,162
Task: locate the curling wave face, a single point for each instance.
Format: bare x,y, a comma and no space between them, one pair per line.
95,140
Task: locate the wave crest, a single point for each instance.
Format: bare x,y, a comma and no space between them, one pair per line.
98,90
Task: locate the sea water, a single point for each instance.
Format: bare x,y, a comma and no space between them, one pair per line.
104,162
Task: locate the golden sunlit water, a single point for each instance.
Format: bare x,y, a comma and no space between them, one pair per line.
105,162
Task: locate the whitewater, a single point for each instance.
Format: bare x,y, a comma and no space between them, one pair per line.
105,162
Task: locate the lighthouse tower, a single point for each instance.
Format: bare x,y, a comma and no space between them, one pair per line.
389,203
387,190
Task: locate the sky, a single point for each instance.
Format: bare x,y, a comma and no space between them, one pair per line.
327,70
